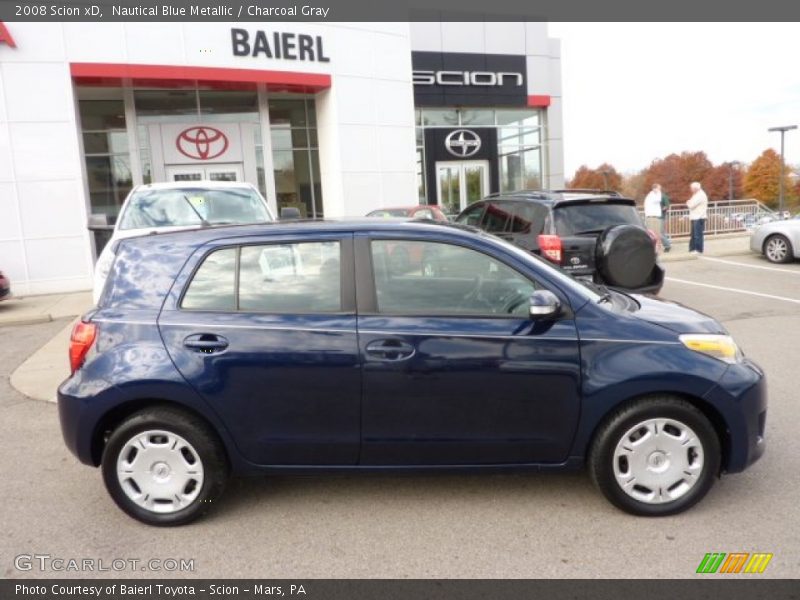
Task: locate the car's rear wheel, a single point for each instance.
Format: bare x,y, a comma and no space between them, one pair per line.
164,466
655,457
778,249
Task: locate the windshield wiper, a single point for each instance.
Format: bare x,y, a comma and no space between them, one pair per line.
203,222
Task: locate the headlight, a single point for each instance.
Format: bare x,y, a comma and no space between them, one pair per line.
721,347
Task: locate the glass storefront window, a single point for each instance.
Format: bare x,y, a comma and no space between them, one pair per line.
165,102
521,170
241,106
105,142
100,115
518,117
477,117
295,157
439,117
110,180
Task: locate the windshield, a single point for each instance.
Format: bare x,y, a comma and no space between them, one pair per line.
183,207
573,219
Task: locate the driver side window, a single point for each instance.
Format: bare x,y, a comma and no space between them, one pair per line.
433,278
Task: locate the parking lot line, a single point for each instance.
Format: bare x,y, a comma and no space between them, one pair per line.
738,264
735,290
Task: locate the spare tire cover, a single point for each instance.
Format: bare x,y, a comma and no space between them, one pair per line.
625,256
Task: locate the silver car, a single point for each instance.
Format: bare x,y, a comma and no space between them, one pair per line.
778,241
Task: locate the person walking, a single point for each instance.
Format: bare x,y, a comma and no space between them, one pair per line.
698,212
653,213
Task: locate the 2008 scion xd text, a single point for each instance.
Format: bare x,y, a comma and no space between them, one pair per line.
276,348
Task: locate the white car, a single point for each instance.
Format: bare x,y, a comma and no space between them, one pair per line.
778,241
164,207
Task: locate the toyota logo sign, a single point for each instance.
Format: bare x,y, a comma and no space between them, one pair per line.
202,142
463,143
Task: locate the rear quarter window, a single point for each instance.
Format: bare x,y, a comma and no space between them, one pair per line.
573,219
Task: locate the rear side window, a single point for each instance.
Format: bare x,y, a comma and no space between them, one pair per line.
272,278
212,287
495,218
471,216
527,218
574,219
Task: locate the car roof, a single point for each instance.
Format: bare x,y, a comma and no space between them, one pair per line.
199,235
204,183
556,197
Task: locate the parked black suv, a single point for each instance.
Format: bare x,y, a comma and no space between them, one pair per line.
590,234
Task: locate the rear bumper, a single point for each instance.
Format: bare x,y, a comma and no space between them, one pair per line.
741,397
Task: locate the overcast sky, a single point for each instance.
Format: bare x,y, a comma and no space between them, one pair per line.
638,91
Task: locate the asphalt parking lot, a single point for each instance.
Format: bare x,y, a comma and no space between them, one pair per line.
444,526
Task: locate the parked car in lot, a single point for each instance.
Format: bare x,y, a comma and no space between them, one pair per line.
301,346
778,241
421,211
5,286
594,235
174,206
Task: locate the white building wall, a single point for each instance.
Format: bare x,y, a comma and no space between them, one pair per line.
366,126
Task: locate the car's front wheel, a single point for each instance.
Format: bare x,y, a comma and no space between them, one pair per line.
655,457
164,466
778,249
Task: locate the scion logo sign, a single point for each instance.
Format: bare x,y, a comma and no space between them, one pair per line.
465,79
463,143
5,37
202,143
484,78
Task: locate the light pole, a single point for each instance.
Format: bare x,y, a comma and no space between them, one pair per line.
783,129
731,165
605,180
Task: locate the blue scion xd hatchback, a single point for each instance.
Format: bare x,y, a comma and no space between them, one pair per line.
380,344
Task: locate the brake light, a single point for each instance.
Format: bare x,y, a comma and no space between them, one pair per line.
81,340
550,246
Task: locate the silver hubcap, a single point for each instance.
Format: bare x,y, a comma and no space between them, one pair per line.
658,460
776,249
160,471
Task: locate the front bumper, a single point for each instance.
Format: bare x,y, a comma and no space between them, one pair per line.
741,398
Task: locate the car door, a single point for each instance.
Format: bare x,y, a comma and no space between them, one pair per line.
265,330
454,370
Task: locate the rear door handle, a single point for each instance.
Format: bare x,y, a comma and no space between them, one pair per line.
205,343
390,349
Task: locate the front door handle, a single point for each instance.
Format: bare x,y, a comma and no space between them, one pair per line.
205,343
390,349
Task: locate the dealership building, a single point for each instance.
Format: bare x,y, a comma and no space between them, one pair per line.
335,119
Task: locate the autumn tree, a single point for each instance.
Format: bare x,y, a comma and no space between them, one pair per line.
762,179
603,177
634,186
676,171
717,182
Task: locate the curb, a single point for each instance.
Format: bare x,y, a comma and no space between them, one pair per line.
684,257
32,320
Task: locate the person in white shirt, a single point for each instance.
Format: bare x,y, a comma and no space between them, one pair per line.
652,213
698,211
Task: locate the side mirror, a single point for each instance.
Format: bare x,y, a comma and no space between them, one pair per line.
544,304
290,212
99,222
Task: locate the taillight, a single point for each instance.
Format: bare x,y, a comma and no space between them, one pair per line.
80,342
550,246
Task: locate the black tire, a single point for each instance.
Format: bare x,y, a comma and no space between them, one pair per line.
601,461
202,441
625,256
782,253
